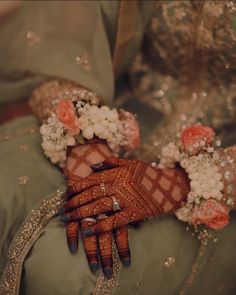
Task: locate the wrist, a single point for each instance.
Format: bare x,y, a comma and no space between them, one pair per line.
176,185
94,151
77,117
197,153
81,157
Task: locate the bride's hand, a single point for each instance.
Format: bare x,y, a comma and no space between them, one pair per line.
78,166
134,189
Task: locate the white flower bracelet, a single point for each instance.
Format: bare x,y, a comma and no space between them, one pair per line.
74,121
196,154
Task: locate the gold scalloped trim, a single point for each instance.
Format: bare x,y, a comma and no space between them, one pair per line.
26,237
24,240
103,285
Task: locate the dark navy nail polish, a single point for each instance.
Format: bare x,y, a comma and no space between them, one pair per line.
94,266
69,193
127,262
108,272
61,211
87,232
64,218
73,247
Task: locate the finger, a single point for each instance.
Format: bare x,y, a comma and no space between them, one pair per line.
105,250
122,244
117,220
85,197
137,224
92,209
109,163
91,248
72,230
90,181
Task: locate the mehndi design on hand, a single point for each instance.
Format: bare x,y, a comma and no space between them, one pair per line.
78,166
141,190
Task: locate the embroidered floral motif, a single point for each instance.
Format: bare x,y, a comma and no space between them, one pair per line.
83,61
169,262
32,38
23,180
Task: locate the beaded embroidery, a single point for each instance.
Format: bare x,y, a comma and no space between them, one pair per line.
23,241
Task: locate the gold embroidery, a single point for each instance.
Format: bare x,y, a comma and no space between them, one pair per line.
170,261
23,180
103,285
23,241
24,147
26,237
83,61
45,97
194,270
19,133
32,38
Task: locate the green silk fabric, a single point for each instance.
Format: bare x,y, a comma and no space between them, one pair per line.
68,29
51,269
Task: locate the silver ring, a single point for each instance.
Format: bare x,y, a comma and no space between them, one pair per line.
89,219
116,205
103,188
102,216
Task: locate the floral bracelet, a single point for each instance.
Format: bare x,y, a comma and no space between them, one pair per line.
75,121
197,152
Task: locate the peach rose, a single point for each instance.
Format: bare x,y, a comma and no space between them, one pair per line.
131,130
211,213
66,114
195,137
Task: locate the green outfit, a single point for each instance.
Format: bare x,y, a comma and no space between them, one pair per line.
163,251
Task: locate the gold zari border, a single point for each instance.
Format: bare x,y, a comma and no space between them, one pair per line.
24,240
103,285
28,235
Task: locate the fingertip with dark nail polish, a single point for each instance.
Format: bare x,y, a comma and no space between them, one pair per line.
73,247
64,218
61,211
108,272
87,232
69,193
127,262
94,266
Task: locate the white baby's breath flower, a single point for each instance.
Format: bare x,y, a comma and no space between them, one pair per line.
105,110
112,116
83,122
88,132
104,134
98,129
184,213
112,127
70,140
44,129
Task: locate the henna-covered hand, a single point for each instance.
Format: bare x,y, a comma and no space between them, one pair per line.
141,191
79,162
